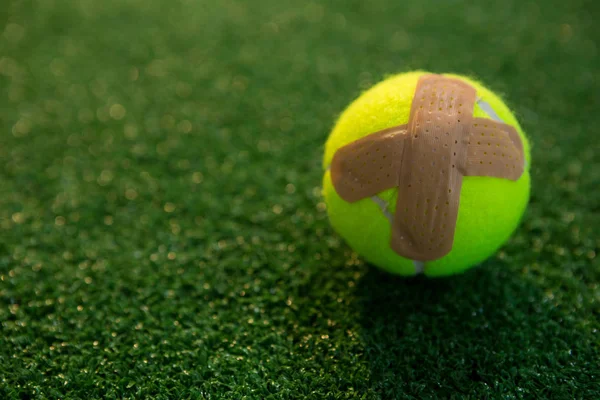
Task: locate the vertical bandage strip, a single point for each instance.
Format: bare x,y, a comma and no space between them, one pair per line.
431,171
427,159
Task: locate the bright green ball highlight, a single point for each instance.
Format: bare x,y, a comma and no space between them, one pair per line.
490,208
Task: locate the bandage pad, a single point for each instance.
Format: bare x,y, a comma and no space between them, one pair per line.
427,159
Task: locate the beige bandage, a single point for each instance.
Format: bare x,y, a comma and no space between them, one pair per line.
427,159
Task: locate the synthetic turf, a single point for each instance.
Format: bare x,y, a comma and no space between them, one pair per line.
162,231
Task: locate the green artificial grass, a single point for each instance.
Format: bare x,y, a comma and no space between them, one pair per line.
162,231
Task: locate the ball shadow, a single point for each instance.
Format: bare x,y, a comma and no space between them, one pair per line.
486,330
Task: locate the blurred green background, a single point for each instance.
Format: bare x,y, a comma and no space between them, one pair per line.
162,231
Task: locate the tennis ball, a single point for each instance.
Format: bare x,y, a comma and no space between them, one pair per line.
490,208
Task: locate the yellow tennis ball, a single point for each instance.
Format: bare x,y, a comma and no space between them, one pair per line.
490,208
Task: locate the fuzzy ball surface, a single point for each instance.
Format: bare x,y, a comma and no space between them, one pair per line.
490,208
